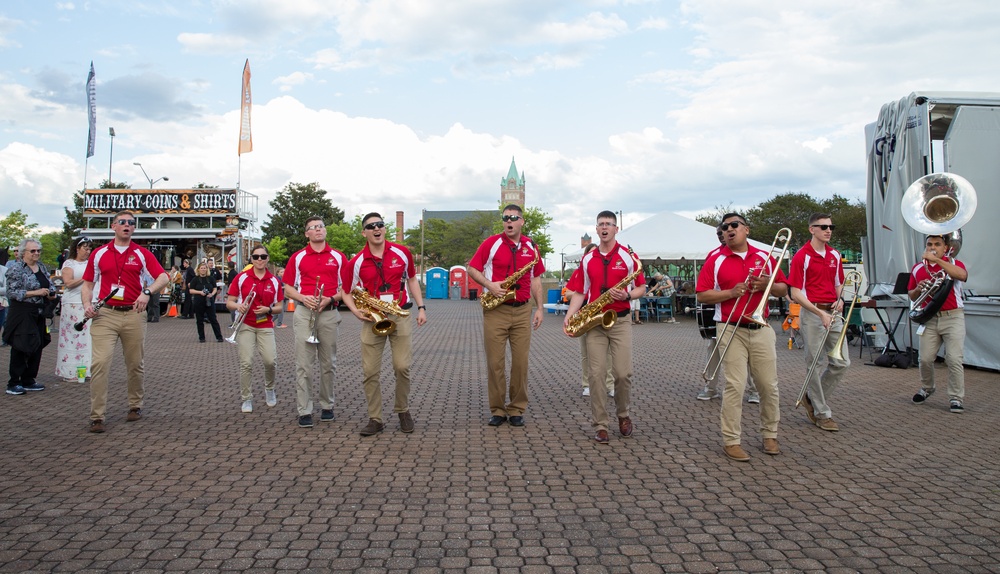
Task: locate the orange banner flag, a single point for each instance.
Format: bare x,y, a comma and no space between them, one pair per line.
246,140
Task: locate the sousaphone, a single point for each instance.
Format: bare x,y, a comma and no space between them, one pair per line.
938,204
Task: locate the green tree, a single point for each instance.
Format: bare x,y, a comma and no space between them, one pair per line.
290,209
277,251
15,227
792,210
51,248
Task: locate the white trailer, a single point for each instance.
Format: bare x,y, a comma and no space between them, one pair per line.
928,132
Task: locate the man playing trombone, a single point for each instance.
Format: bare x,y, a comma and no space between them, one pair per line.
816,282
255,295
312,280
385,271
738,278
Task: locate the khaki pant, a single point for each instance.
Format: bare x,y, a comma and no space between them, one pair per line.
503,325
307,353
372,347
261,340
105,330
751,350
614,345
609,380
720,370
823,385
947,327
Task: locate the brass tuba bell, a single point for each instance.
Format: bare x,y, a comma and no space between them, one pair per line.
939,204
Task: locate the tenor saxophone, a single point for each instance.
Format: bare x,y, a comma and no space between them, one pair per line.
489,301
590,315
378,310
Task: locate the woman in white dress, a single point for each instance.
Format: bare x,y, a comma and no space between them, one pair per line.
74,346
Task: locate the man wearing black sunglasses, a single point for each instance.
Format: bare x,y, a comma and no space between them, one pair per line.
497,258
312,279
386,271
816,282
119,267
733,279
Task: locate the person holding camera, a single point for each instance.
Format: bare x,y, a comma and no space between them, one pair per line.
32,296
203,289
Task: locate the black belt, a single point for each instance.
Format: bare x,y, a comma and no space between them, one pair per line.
516,303
751,326
122,308
824,306
624,313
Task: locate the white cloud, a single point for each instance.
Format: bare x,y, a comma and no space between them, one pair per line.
211,43
286,83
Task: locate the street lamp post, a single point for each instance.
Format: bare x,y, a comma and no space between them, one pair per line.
562,255
111,156
149,179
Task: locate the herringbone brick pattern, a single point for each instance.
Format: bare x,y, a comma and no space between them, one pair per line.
198,486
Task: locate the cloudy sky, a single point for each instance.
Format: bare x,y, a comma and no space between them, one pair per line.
637,106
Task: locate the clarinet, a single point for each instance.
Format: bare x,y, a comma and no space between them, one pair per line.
98,305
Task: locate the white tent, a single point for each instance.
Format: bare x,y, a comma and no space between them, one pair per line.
670,238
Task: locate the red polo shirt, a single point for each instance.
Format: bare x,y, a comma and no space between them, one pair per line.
306,265
111,268
603,271
381,277
498,258
267,291
724,270
817,276
923,270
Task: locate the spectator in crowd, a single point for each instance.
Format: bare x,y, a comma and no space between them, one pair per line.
203,289
74,346
28,288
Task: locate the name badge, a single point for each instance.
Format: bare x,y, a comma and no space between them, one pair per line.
120,294
386,298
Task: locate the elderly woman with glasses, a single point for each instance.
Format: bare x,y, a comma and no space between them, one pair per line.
28,287
73,350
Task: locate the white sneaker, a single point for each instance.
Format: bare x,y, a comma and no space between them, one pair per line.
708,394
247,407
270,398
611,393
753,398
586,391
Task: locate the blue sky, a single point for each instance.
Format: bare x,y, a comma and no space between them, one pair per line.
637,106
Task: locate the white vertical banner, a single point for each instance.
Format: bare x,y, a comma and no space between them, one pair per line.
246,140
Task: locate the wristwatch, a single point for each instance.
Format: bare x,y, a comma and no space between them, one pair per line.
147,292
424,307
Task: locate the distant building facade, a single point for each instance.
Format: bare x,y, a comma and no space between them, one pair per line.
512,187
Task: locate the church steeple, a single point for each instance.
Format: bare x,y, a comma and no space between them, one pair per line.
512,187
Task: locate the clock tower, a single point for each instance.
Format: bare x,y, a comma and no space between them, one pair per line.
512,187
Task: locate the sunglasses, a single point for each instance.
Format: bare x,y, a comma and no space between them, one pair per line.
825,227
129,222
32,250
511,217
376,225
730,225
316,226
257,257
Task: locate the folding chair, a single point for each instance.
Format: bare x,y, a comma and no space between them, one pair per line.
647,309
664,308
791,324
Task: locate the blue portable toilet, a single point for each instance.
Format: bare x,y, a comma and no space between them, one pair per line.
437,283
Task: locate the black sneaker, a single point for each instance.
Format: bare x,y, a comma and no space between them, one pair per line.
15,390
306,421
326,415
33,387
922,395
956,406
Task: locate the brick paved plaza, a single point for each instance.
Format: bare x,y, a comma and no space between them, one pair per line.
198,486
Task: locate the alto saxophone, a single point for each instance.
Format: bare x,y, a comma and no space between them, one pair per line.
378,310
590,315
489,301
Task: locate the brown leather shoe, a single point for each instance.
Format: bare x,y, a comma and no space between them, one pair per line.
374,427
97,426
625,426
601,437
771,446
809,408
736,452
405,422
827,425
134,415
